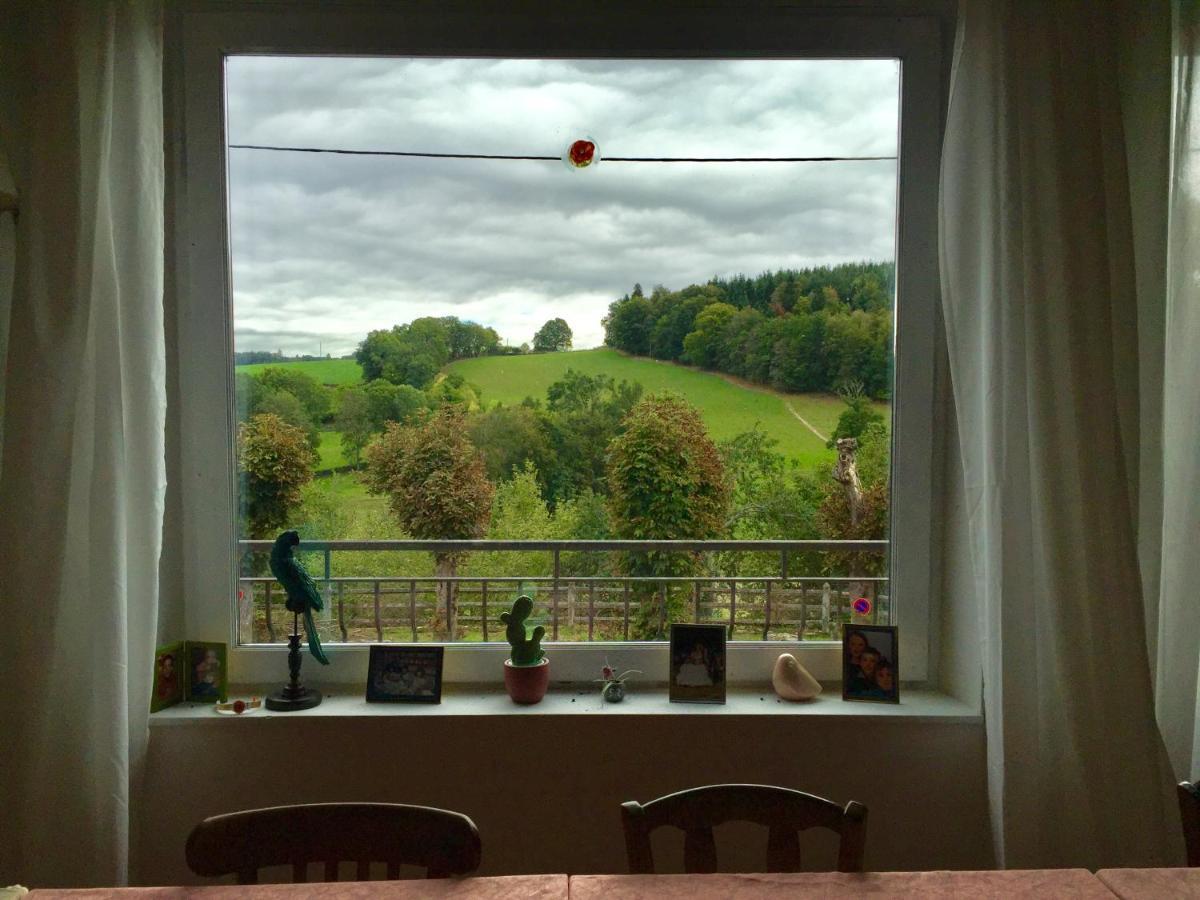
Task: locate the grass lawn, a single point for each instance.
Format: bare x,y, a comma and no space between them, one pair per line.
329,453
728,408
326,371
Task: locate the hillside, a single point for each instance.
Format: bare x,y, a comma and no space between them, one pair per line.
326,371
728,408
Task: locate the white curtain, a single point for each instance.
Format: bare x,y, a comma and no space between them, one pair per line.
1179,605
1040,310
82,482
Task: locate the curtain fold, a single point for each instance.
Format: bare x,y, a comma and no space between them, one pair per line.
1179,606
1040,309
82,477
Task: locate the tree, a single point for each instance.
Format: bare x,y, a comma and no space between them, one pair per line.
629,324
509,438
313,395
667,481
703,346
275,462
354,422
437,489
287,407
387,402
554,335
857,417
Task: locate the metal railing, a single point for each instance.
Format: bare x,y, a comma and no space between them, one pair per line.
578,596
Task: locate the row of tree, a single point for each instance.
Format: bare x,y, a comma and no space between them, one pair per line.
802,331
414,353
616,464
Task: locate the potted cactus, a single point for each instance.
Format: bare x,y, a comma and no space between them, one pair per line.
527,670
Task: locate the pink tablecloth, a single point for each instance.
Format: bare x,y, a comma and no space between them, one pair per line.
1057,883
532,887
1152,884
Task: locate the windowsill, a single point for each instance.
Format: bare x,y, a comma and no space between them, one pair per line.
914,706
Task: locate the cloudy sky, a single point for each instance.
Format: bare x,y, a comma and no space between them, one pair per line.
326,248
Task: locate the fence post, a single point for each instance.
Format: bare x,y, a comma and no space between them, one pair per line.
270,624
732,606
342,611
591,608
554,598
378,615
627,609
766,610
662,609
696,600
826,624
412,606
483,607
328,556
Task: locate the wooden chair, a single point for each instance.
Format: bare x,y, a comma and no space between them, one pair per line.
1189,811
444,843
785,812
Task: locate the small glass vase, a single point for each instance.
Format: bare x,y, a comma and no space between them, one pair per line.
613,691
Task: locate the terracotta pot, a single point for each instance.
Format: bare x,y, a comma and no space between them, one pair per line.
526,684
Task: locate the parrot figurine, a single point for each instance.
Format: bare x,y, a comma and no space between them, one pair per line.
302,594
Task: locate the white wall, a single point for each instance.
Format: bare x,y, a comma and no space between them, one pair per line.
545,790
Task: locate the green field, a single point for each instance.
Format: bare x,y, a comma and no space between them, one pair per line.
326,371
329,453
728,408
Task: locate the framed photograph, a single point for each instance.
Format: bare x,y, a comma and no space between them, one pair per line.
169,664
870,663
697,664
206,671
404,674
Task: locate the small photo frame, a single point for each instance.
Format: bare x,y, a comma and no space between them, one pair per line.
870,663
697,664
170,666
207,672
404,674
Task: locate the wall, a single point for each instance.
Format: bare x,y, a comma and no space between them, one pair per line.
545,790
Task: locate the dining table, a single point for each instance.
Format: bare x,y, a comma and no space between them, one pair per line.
1152,884
503,887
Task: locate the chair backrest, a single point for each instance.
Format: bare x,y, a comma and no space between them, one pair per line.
1189,811
784,812
443,843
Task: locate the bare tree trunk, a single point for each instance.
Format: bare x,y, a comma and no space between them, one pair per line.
846,474
447,597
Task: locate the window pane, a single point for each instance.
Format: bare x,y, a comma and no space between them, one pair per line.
664,344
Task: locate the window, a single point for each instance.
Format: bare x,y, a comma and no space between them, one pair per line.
292,269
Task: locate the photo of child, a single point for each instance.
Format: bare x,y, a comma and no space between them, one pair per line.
206,672
168,685
869,663
697,663
405,674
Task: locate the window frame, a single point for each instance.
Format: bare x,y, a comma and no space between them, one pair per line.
204,33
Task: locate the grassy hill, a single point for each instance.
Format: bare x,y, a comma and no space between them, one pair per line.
728,408
326,371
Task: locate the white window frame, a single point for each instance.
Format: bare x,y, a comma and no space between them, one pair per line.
204,33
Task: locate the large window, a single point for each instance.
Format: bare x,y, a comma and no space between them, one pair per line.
572,306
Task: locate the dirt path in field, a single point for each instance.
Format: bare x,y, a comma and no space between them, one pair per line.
805,422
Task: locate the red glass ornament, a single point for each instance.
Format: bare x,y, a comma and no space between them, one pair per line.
581,153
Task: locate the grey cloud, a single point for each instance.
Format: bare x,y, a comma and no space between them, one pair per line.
333,246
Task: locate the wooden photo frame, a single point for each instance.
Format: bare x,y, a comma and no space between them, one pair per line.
405,674
697,664
870,663
207,671
170,676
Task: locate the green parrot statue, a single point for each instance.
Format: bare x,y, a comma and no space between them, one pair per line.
302,594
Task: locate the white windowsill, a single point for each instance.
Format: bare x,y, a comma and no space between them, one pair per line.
461,700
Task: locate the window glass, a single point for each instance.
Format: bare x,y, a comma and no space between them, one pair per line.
564,300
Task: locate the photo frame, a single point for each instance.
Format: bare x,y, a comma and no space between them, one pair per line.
405,674
697,664
170,682
207,672
870,663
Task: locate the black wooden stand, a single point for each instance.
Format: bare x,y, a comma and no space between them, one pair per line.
294,695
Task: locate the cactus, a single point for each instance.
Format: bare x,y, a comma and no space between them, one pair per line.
525,651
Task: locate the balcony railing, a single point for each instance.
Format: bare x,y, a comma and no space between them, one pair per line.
577,591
